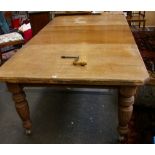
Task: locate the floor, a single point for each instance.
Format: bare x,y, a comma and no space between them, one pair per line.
70,116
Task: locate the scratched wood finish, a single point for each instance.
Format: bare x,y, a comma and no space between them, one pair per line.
105,40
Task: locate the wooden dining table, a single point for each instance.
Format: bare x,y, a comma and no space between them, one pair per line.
105,42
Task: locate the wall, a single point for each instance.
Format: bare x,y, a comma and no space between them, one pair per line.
150,18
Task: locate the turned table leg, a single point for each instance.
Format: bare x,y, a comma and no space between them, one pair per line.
125,108
21,105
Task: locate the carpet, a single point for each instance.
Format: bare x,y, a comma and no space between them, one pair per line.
142,123
145,40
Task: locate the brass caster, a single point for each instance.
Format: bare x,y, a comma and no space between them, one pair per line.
121,139
28,132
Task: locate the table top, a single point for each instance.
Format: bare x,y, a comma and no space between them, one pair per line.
104,40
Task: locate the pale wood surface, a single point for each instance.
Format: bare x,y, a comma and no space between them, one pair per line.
105,40
104,19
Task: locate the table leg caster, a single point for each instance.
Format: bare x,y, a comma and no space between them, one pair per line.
28,132
121,138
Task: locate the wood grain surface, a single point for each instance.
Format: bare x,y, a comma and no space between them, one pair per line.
104,40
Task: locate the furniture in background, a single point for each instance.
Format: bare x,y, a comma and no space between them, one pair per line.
10,39
68,13
136,18
15,19
113,61
38,20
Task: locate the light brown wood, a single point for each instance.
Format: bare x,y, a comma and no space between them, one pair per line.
108,45
84,34
106,64
21,104
150,16
125,108
106,42
94,20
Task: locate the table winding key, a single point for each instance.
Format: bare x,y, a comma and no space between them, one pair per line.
77,60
